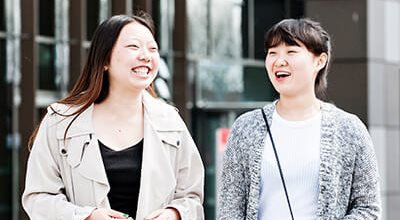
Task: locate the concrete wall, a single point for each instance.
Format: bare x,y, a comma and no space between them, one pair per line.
383,96
365,77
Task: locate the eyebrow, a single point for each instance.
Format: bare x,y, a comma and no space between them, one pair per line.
135,38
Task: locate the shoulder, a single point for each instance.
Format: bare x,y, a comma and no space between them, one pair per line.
251,124
246,121
158,106
61,116
342,117
63,110
347,124
254,118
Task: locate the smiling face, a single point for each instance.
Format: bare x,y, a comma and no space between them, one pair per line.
134,59
292,69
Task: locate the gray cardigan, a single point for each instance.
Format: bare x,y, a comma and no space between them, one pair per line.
348,176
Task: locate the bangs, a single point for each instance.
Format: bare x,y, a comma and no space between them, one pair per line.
278,35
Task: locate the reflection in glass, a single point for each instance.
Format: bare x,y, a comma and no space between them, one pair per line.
46,67
46,17
226,28
227,82
198,22
92,17
219,81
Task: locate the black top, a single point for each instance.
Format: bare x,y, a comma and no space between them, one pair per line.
123,170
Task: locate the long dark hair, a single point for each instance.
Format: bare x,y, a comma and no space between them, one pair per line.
312,35
92,85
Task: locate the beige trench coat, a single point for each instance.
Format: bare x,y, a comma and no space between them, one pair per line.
66,180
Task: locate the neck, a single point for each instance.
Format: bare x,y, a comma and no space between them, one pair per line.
125,105
298,108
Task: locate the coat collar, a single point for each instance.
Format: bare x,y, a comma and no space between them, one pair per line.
160,115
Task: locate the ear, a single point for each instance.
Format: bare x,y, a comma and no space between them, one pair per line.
105,68
321,61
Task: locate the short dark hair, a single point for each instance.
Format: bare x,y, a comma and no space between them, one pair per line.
312,35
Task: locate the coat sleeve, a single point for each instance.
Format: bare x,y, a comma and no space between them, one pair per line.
231,202
44,195
365,202
189,192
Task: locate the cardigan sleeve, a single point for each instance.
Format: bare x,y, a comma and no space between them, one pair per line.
231,184
365,200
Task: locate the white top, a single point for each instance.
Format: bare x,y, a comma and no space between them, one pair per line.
298,146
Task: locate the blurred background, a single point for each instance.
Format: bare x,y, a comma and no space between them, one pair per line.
212,70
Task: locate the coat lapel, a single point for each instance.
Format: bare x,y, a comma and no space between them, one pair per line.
83,149
158,180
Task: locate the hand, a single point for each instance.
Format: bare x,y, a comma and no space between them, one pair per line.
106,214
164,214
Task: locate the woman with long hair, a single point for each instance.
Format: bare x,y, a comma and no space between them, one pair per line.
110,149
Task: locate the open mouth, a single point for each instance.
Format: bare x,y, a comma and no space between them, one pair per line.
282,75
141,71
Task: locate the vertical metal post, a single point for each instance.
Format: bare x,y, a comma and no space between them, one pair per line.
13,29
251,26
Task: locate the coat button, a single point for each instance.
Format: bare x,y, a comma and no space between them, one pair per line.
177,143
63,151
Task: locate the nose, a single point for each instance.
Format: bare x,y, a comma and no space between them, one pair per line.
145,55
280,61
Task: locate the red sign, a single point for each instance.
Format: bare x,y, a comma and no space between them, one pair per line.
222,135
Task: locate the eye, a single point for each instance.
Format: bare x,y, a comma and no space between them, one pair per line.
134,46
292,51
153,48
271,53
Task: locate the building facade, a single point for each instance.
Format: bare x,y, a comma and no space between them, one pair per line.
214,56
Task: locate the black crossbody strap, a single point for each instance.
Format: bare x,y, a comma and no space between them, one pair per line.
278,163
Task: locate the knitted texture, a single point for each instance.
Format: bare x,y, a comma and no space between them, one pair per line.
348,175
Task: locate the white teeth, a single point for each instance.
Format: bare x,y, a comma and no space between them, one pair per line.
142,71
282,74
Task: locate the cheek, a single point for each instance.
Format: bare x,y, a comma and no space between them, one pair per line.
156,58
268,66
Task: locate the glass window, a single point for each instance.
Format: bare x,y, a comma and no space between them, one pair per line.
2,13
266,14
46,67
156,18
226,82
226,41
92,17
197,27
257,86
258,16
46,17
